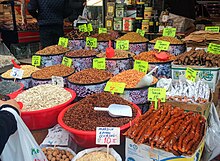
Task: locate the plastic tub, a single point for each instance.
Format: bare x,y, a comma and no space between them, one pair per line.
45,118
87,139
27,82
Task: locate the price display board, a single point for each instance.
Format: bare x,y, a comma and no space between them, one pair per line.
91,42
191,74
67,61
63,42
141,66
36,60
99,63
122,44
162,45
169,32
115,87
108,135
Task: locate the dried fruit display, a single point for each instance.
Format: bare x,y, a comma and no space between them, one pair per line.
172,40
81,53
133,37
52,50
169,128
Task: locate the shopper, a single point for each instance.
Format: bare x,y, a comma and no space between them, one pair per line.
50,15
8,124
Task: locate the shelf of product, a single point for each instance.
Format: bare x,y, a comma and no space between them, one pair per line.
81,119
164,66
131,93
137,43
82,58
26,79
121,61
10,88
88,81
42,104
177,46
44,76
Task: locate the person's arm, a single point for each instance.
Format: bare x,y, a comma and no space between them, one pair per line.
32,8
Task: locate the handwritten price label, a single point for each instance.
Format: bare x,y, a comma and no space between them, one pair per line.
99,63
162,45
212,28
102,30
214,48
141,66
115,87
191,74
63,42
17,73
36,60
169,32
91,42
156,93
122,44
108,135
83,28
89,27
67,61
141,32
57,81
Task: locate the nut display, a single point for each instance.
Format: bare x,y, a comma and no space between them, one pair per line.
55,70
104,37
169,128
81,53
151,58
55,154
118,54
170,39
96,156
28,70
198,57
8,87
133,37
130,77
90,76
82,115
76,34
42,97
52,50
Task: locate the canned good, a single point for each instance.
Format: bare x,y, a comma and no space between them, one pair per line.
145,25
109,23
128,24
120,10
147,12
110,9
118,24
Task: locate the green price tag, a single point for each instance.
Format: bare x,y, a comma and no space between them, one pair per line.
102,30
91,42
99,63
141,32
214,48
36,60
156,93
67,61
89,27
169,32
63,42
212,28
115,87
141,66
122,44
162,45
83,28
191,74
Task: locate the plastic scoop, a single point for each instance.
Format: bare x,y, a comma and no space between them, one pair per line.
147,79
116,110
110,52
162,55
15,64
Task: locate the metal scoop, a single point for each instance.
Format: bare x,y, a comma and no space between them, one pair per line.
116,110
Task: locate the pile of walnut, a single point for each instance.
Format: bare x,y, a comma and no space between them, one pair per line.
54,154
169,128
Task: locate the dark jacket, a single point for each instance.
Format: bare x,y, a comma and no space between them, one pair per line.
49,12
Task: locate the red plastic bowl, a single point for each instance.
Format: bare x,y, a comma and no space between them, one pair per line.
15,93
87,139
45,118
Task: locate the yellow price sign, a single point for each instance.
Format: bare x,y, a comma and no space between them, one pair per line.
156,93
162,45
91,42
115,87
63,42
141,32
141,66
214,48
67,61
102,30
122,44
191,74
99,63
83,28
212,28
36,60
169,32
89,27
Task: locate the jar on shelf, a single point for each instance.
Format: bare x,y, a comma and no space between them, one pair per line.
109,23
147,12
118,24
145,25
138,23
128,24
140,10
120,10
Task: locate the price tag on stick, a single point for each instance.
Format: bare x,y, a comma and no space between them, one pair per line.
63,42
57,81
162,45
99,63
17,73
169,32
83,28
102,30
156,93
122,44
89,27
141,32
91,42
212,28
191,74
67,61
115,87
141,66
36,60
214,48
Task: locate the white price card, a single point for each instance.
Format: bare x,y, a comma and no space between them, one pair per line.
108,135
17,73
57,81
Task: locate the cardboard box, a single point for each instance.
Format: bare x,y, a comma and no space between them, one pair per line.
142,152
208,75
